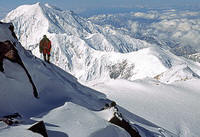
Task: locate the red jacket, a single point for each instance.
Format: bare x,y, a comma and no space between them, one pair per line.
45,46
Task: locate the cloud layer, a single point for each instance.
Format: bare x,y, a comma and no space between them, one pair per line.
171,28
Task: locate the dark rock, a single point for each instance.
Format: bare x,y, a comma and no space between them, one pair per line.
113,104
7,121
106,105
11,119
39,127
11,28
125,125
15,115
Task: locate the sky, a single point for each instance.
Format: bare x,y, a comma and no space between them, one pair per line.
97,3
80,5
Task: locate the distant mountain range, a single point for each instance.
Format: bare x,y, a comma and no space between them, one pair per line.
166,28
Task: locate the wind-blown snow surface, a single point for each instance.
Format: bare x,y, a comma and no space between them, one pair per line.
174,107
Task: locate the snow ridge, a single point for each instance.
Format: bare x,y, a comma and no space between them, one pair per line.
60,96
67,107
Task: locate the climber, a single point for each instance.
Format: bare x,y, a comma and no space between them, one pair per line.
45,48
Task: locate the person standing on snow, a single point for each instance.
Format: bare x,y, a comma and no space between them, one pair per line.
45,48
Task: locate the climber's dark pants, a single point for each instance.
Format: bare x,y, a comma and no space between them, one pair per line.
46,57
1,64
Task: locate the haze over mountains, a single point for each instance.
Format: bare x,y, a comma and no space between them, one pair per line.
172,28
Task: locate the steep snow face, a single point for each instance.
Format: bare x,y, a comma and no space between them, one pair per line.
56,89
64,86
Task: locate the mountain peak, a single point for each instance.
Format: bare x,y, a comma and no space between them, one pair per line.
52,7
31,10
39,19
27,10
30,18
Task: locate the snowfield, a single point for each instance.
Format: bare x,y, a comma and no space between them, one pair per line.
88,124
156,91
173,107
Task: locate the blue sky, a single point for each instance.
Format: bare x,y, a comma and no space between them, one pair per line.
73,4
7,5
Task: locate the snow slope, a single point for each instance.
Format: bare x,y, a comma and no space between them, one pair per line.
88,124
174,107
67,107
62,101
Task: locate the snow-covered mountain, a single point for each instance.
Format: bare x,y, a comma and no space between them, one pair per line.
67,107
86,50
44,19
92,53
66,102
